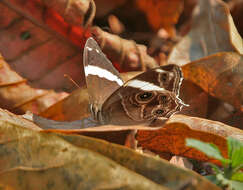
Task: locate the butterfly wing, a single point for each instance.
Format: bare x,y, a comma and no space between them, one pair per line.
148,96
102,79
168,77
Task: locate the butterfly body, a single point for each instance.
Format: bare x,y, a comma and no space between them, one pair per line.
143,99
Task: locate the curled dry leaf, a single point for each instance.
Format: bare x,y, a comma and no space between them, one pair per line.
10,118
28,156
157,170
26,161
17,96
212,31
171,137
33,35
127,53
221,75
161,13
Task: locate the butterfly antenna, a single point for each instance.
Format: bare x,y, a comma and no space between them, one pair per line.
70,78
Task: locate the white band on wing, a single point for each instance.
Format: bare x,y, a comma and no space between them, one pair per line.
94,70
143,85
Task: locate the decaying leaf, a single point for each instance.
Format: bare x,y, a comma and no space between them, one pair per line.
34,35
32,160
221,75
103,7
171,137
127,53
161,13
16,95
212,31
8,117
195,98
73,11
66,161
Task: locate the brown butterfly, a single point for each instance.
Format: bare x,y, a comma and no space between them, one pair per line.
149,96
143,99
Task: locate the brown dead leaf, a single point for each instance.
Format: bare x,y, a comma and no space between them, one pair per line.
195,98
8,117
161,13
171,137
236,9
103,7
28,156
212,31
221,75
35,35
129,55
72,11
17,96
171,176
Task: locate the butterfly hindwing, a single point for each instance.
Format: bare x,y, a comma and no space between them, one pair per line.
146,97
166,77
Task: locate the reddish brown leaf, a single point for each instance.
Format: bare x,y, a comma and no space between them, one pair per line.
161,13
103,7
221,75
17,96
37,36
171,137
127,53
195,98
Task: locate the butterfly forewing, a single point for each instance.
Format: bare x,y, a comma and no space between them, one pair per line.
102,78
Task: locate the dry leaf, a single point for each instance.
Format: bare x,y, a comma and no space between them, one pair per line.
171,137
32,160
17,96
32,156
34,35
127,53
8,117
212,31
221,75
161,13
